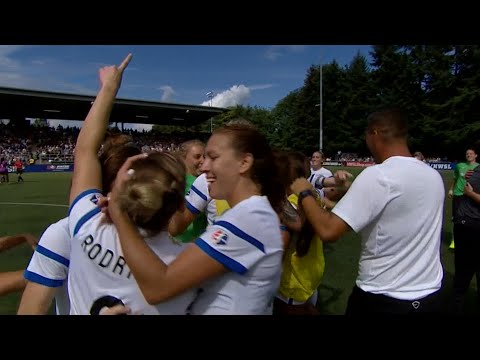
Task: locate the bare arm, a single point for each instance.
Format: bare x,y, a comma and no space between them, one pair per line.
157,281
36,299
286,237
11,281
180,221
87,170
341,178
8,242
328,226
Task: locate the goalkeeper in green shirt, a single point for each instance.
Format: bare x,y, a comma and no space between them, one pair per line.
459,181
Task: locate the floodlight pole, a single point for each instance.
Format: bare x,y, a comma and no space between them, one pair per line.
210,96
321,107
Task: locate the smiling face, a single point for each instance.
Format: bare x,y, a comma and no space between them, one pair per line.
223,166
317,160
194,159
470,156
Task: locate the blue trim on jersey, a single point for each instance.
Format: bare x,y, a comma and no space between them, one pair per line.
81,195
42,280
51,255
199,193
235,230
192,208
311,178
223,259
85,218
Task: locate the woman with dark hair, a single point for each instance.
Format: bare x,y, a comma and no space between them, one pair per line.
303,262
237,261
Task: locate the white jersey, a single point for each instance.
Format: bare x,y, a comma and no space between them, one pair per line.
50,261
247,241
98,267
198,199
316,177
397,206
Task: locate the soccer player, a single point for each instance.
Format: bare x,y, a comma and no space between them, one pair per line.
456,190
19,168
237,261
303,261
4,170
192,153
155,190
317,171
12,281
47,272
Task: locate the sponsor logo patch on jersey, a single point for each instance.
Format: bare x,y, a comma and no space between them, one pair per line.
219,237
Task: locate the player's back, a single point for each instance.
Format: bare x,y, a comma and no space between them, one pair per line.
98,267
401,255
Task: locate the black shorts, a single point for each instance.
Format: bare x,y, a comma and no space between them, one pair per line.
364,303
19,171
455,203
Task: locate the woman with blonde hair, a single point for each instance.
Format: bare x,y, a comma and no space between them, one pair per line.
98,274
46,275
192,153
237,260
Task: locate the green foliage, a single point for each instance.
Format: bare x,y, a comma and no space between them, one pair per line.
436,85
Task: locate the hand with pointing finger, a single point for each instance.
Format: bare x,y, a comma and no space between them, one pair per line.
111,76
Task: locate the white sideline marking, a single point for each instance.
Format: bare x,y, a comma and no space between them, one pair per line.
35,204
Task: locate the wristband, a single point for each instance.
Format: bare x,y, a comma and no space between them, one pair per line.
303,194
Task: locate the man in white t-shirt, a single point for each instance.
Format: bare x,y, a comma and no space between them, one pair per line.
397,207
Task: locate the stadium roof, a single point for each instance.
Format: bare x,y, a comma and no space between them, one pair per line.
22,103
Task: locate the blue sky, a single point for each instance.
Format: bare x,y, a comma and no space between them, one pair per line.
256,75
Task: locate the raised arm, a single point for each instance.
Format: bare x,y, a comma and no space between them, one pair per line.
87,170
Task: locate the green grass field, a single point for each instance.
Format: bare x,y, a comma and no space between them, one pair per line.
51,188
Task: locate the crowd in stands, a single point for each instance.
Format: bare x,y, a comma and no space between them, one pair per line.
39,145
